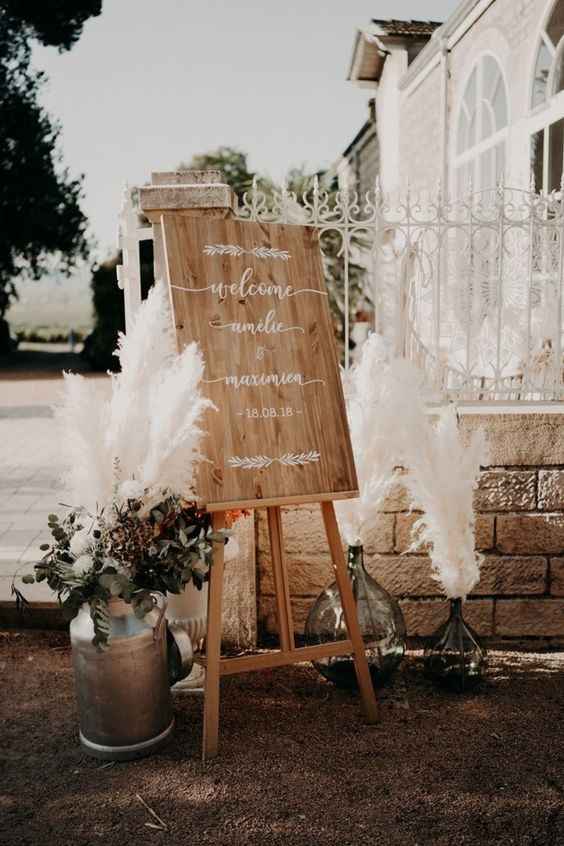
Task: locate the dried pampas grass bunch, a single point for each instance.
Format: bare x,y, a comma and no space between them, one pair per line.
442,474
383,398
145,439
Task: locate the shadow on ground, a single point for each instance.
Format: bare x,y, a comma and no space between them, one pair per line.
44,363
297,765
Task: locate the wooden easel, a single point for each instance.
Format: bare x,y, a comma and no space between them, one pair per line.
216,666
197,243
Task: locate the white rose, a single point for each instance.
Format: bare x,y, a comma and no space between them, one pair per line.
131,489
80,542
82,564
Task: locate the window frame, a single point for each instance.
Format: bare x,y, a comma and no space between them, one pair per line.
474,154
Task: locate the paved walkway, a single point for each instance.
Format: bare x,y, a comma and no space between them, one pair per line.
29,466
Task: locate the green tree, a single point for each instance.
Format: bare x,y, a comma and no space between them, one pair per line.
40,212
107,300
232,162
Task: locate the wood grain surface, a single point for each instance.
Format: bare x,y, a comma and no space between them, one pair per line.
253,297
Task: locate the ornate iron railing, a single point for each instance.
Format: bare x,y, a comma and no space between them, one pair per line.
470,289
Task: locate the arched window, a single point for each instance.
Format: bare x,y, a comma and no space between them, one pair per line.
482,127
549,66
548,81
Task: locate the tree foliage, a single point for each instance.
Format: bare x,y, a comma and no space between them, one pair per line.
40,212
231,161
107,300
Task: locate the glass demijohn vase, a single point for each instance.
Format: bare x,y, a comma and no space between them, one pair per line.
381,624
455,658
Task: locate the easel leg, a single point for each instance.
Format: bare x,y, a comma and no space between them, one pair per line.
213,646
285,625
349,611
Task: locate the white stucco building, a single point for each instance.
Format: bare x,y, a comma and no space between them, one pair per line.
480,96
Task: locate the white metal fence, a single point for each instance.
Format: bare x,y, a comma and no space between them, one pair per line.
470,289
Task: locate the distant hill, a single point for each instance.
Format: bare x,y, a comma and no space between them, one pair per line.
55,303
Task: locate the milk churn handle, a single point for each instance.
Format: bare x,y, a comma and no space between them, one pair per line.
159,601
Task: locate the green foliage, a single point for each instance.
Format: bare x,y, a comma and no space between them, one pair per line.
40,211
232,162
109,308
126,553
108,304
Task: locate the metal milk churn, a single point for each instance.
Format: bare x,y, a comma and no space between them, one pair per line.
123,692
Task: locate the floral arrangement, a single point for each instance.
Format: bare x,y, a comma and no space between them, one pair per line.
129,465
125,554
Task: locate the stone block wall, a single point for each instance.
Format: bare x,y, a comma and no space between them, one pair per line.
519,529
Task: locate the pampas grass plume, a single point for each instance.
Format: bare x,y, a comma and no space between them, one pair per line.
442,474
146,436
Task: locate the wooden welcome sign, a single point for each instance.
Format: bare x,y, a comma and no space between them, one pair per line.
253,296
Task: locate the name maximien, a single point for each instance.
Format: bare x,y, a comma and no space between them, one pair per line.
257,380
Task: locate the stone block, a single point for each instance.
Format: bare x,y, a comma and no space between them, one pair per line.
404,575
520,439
529,534
187,177
154,198
484,530
500,575
302,527
423,617
551,490
557,576
308,575
397,499
239,590
530,617
505,490
268,619
380,537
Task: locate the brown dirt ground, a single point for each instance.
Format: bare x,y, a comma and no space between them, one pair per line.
296,765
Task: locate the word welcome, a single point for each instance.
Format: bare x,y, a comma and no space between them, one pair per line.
245,288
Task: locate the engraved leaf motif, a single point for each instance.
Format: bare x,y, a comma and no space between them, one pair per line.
259,462
237,250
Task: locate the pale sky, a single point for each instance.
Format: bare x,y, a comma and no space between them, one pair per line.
153,81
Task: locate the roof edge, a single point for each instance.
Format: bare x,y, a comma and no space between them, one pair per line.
440,39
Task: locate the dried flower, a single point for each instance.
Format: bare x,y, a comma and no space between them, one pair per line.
82,565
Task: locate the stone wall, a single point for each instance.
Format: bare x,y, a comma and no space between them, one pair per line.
519,529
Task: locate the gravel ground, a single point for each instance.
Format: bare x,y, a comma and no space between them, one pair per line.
296,765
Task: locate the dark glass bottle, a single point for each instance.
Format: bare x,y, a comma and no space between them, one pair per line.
381,624
455,658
